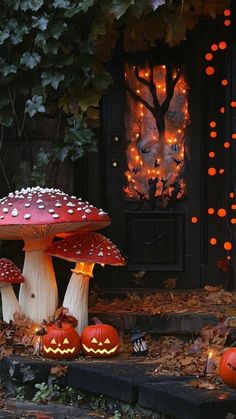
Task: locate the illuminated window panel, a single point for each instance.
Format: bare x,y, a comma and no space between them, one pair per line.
155,136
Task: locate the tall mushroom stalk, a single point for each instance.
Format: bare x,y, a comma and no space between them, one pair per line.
85,249
9,274
36,215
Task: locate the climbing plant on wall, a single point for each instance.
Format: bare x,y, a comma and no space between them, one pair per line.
53,56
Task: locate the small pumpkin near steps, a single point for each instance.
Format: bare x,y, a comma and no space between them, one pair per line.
100,341
61,342
227,367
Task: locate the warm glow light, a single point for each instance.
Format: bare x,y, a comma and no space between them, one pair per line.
221,171
221,212
222,109
214,47
212,124
213,134
222,45
213,241
210,70
233,220
208,56
224,82
211,171
226,144
227,245
211,154
194,220
233,206
231,195
227,22
233,136
227,12
228,257
233,104
211,211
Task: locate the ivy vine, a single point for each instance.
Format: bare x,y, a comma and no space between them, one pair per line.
53,56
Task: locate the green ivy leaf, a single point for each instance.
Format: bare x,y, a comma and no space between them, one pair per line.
34,105
19,33
8,69
30,60
102,81
61,4
57,29
41,40
83,6
119,7
4,35
52,79
40,23
31,5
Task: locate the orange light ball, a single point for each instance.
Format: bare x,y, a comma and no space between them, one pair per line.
211,154
233,207
222,45
213,134
211,171
227,12
221,212
233,136
211,211
210,70
208,56
214,47
194,220
227,245
228,257
213,241
233,220
221,171
227,22
226,144
212,124
231,195
233,104
224,82
222,109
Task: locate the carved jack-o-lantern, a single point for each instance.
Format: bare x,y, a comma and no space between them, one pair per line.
227,367
61,341
100,340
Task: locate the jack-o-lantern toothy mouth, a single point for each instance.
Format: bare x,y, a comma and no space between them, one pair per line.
100,351
58,350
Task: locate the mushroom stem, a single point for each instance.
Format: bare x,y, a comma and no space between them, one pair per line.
38,294
10,303
76,296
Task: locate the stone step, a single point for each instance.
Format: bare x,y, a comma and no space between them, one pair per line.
128,380
183,323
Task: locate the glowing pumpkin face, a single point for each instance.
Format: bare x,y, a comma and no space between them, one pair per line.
227,367
100,341
61,342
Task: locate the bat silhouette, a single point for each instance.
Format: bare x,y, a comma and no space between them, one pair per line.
177,161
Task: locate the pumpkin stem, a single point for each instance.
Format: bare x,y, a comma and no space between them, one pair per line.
58,324
96,320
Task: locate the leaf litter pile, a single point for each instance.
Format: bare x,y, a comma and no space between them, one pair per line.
169,355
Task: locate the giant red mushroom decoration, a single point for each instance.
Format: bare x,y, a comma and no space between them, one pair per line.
9,274
85,249
36,215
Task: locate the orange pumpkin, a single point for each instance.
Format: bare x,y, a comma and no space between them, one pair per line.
61,342
227,367
100,341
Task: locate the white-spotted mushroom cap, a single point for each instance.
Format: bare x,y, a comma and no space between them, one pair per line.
9,273
51,209
87,247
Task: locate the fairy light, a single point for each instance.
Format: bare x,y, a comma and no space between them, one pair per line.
221,212
210,71
211,171
208,56
222,45
226,144
211,211
214,47
228,246
213,241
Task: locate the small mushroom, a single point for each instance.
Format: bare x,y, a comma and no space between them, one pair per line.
9,274
85,249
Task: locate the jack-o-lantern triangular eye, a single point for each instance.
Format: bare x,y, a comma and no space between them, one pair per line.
107,340
65,340
53,341
94,340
